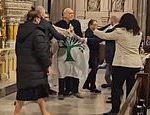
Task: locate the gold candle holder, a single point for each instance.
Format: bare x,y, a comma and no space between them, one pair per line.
15,29
10,30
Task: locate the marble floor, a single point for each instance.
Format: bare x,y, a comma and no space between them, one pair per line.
91,104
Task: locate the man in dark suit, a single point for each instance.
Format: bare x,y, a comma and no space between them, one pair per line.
110,50
93,43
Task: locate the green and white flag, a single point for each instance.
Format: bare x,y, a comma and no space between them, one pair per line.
70,58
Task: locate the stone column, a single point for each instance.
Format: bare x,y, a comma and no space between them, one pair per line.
141,15
46,5
39,2
10,29
104,6
148,19
58,5
128,5
81,9
56,10
15,28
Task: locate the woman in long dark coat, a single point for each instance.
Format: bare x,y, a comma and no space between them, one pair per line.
33,64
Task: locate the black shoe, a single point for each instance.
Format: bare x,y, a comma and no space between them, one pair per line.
109,101
105,85
85,87
95,91
110,113
66,94
109,98
14,103
52,92
60,97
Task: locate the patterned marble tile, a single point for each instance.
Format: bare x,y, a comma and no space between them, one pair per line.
91,104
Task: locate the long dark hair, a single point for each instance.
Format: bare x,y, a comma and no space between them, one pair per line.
129,22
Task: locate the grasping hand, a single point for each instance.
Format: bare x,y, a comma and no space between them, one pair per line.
83,40
50,72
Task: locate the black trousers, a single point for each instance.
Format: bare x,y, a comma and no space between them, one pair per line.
72,85
62,85
68,85
108,74
91,79
119,76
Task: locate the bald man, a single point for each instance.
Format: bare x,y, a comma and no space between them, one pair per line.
68,19
110,50
46,25
69,85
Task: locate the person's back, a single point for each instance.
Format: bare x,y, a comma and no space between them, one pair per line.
28,65
127,60
127,49
50,31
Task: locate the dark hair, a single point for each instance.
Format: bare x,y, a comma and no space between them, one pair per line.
91,22
62,13
129,22
32,14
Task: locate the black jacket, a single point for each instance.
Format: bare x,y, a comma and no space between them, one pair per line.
50,31
93,44
33,56
110,46
75,23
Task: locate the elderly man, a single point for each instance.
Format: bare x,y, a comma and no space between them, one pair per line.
110,50
68,21
47,25
49,30
69,84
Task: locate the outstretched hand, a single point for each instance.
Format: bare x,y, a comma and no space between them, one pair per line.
50,72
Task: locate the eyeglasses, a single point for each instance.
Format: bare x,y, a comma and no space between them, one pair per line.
71,12
95,24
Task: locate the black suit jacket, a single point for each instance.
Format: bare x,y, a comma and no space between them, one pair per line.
93,44
75,23
50,31
110,45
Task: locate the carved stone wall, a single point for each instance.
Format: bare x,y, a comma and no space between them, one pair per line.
57,7
16,9
108,8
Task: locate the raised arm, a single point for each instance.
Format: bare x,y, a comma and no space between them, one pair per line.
114,35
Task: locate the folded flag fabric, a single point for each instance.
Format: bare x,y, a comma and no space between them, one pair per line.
70,57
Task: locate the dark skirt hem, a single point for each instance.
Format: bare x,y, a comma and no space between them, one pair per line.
33,94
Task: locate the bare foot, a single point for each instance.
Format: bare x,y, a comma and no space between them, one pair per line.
47,113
